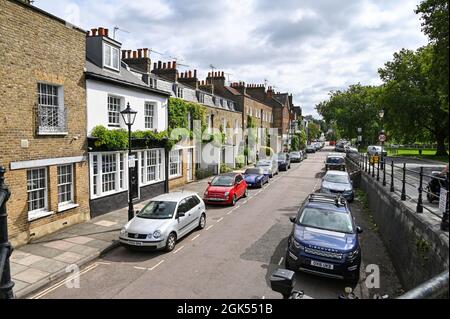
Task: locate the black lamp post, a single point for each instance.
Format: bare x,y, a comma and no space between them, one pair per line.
381,114
129,116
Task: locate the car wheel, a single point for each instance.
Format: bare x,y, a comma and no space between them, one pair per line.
271,176
202,221
233,201
171,242
288,264
260,184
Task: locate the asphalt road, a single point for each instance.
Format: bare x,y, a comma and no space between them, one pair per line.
233,257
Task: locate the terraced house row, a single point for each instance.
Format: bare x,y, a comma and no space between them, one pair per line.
63,138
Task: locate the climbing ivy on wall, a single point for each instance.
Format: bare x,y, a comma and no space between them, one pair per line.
179,110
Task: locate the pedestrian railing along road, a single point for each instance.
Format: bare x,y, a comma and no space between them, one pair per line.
409,183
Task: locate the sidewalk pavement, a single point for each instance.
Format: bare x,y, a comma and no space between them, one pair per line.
47,259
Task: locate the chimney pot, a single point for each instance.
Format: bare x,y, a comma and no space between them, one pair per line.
101,31
139,53
135,54
88,33
223,74
94,32
195,73
164,65
106,31
145,53
190,74
154,66
174,64
124,54
169,65
159,64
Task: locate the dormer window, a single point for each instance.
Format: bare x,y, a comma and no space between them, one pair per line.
111,57
201,97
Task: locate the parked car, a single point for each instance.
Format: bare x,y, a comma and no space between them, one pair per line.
303,154
375,150
310,149
338,183
335,162
340,147
270,166
296,157
164,220
226,189
284,162
325,239
350,149
255,177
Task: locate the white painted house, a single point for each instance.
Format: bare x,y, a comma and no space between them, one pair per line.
110,87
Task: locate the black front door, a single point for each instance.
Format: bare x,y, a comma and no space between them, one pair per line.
134,175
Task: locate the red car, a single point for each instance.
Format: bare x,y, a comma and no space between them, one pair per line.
226,189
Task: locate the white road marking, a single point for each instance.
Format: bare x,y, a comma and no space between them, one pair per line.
64,281
195,237
140,268
281,260
178,249
102,263
154,267
209,227
219,220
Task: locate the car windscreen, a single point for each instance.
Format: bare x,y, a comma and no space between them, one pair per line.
281,157
326,219
254,171
223,181
158,210
335,160
295,154
334,178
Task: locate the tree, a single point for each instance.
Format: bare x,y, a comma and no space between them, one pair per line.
355,107
412,98
435,25
313,131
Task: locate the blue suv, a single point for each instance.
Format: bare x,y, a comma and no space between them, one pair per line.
325,240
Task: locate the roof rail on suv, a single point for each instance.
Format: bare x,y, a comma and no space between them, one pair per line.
337,200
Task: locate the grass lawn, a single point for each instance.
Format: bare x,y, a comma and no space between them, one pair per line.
426,154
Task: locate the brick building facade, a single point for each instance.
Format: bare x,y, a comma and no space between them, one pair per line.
43,121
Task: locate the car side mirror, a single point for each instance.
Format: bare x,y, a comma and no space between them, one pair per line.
283,282
359,230
209,183
137,212
181,214
292,219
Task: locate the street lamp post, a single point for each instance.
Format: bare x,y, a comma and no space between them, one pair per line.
129,116
6,285
381,114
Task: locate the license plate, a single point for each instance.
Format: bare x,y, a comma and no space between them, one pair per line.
135,243
322,265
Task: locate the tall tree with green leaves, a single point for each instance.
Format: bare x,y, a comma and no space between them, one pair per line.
412,97
435,24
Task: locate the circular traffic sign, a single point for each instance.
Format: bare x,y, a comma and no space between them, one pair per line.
382,138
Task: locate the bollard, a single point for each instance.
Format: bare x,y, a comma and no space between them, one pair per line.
373,169
392,177
6,285
365,163
368,168
403,196
378,170
384,174
419,208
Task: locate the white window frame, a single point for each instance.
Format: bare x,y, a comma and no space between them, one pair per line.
118,98
121,174
201,97
150,119
43,211
153,82
159,166
180,93
110,64
71,184
178,162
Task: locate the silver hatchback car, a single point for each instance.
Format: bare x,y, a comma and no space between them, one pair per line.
164,220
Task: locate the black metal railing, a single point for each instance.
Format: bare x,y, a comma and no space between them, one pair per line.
6,285
436,287
407,179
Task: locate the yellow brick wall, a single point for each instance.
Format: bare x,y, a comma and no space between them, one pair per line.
37,48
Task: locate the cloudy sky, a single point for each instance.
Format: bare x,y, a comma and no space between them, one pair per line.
305,47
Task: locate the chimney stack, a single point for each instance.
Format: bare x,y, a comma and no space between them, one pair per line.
94,32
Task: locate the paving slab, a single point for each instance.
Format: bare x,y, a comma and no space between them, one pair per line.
59,244
80,240
31,275
41,250
29,260
16,268
69,257
49,265
84,250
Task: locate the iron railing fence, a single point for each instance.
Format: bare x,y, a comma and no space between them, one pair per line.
401,179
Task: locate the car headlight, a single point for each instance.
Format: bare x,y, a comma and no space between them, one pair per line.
353,254
296,244
226,194
123,231
157,234
205,194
